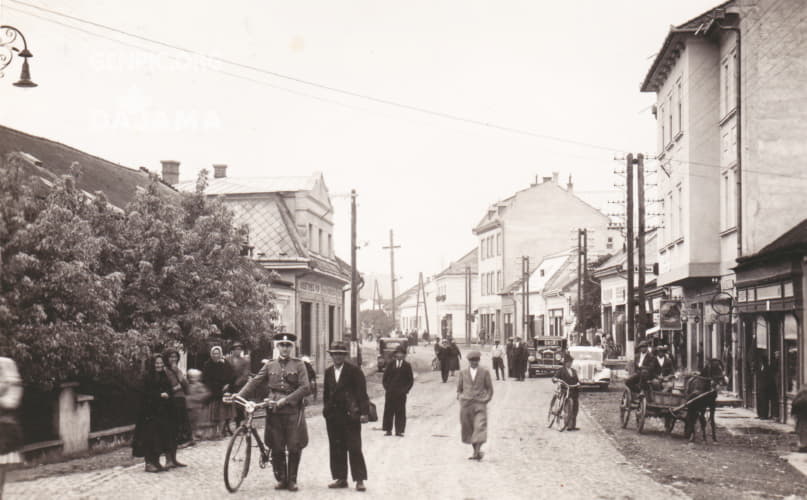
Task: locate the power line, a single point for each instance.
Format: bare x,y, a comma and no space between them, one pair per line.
330,88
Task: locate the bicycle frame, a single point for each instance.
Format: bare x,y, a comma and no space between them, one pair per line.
249,411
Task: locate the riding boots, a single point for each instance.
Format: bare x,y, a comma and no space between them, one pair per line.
279,466
294,464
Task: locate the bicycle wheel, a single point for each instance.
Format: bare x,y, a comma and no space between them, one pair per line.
236,461
624,408
552,413
566,414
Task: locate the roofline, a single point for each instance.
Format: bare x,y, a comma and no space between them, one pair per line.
675,32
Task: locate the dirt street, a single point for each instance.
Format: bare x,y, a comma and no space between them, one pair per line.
737,467
523,458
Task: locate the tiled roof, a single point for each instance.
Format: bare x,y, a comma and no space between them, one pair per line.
251,185
470,259
118,183
271,229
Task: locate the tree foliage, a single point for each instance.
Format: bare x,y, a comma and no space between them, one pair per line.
84,283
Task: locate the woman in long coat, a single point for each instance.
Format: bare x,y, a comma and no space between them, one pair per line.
155,430
218,376
453,357
10,432
179,385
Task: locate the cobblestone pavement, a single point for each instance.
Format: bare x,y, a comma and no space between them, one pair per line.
523,459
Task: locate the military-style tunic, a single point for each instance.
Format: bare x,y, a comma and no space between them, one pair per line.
285,426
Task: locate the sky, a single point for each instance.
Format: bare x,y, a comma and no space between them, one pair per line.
430,109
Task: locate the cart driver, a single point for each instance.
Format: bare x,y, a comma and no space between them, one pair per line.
645,368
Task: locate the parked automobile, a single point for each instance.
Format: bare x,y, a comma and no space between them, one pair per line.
588,361
546,355
386,350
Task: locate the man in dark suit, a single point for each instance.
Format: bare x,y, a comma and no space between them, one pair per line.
520,355
509,352
443,353
345,407
398,380
645,368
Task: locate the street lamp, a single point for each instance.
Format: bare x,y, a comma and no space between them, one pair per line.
9,35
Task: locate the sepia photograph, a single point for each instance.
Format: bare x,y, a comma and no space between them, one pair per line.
434,249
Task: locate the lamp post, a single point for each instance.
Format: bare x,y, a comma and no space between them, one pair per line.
8,36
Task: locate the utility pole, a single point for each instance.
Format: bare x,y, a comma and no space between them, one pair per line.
354,273
421,290
641,327
467,305
579,280
391,249
629,307
525,294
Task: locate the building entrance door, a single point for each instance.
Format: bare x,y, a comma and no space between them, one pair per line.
305,328
331,323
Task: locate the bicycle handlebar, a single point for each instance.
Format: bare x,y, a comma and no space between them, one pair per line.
556,380
249,406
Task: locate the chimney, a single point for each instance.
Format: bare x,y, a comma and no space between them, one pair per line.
170,172
569,185
219,171
555,176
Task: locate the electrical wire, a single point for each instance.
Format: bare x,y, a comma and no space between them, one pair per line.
330,88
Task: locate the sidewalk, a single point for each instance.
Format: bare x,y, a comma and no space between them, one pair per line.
739,421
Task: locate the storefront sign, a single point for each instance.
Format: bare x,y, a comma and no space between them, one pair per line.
670,315
308,286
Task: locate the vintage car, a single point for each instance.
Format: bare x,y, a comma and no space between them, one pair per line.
546,355
386,350
588,361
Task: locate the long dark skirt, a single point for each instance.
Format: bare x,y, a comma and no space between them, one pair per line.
154,435
182,421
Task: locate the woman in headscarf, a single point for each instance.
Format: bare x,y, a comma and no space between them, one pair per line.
179,385
10,432
155,430
217,375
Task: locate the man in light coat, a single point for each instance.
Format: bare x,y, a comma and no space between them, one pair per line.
474,391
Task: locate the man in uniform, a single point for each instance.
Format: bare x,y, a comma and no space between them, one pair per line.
287,382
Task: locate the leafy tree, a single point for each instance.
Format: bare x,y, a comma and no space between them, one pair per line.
55,305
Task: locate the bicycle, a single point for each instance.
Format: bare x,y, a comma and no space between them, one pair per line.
560,407
239,451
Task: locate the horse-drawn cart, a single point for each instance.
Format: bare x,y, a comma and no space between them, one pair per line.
670,406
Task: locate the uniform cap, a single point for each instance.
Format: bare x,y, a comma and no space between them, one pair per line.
285,337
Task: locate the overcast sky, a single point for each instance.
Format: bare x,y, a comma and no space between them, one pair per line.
569,69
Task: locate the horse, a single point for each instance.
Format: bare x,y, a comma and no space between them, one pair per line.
701,395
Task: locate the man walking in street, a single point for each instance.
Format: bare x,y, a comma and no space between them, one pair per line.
345,407
474,391
520,354
443,353
510,351
497,354
398,380
287,382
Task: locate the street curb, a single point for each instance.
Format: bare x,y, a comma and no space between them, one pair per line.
673,490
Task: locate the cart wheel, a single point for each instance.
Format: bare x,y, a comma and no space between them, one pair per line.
641,414
552,414
624,408
669,424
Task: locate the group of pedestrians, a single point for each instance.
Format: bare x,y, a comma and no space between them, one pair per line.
346,406
448,355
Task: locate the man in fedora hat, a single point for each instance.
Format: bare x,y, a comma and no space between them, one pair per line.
345,406
645,367
569,375
398,380
287,381
474,391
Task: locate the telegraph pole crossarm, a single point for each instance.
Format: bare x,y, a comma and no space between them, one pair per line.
391,249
